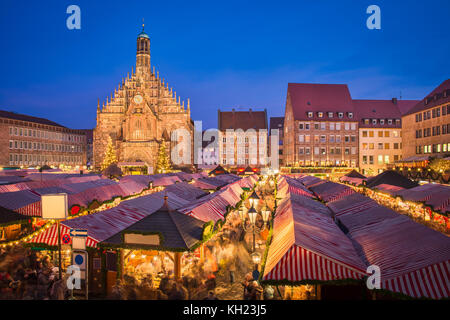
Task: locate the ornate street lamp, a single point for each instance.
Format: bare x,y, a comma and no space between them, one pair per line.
251,216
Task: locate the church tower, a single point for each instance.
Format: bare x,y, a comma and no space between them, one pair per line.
143,54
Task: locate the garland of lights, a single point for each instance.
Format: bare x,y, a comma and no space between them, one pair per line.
83,212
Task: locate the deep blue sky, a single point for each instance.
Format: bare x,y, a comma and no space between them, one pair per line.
221,54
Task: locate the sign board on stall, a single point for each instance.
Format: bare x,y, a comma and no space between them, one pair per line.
148,239
79,243
54,206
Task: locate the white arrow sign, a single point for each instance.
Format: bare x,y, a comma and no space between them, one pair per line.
78,233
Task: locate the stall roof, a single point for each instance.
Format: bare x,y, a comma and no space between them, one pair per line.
218,170
308,246
8,217
329,191
178,231
413,259
355,174
393,178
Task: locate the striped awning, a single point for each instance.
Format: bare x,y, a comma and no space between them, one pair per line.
299,264
308,246
50,237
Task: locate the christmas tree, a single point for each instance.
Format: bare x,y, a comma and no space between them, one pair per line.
110,155
163,161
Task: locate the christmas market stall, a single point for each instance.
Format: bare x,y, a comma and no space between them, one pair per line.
415,266
308,181
392,178
296,187
353,177
210,184
217,171
228,178
100,226
12,225
414,260
25,202
309,254
329,191
214,206
161,244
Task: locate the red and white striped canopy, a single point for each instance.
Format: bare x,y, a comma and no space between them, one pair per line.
308,246
104,224
413,259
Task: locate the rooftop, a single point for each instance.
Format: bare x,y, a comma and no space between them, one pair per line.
438,96
23,117
382,109
316,97
242,120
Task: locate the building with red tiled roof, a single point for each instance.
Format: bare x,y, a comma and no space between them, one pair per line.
426,126
380,138
242,138
320,126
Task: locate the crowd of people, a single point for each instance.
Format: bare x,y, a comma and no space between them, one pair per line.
29,275
222,272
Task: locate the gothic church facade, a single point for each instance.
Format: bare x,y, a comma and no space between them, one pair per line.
142,113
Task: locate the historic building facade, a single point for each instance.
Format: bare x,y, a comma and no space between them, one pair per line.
426,127
320,126
27,141
380,132
141,114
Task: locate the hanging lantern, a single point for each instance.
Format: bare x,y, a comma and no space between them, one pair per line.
252,215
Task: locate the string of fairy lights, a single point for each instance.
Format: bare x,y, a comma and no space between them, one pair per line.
85,212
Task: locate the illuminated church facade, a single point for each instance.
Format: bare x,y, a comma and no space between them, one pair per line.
142,113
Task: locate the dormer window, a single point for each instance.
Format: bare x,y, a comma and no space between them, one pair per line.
320,114
350,115
397,121
366,121
382,121
374,121
310,114
340,115
330,114
389,121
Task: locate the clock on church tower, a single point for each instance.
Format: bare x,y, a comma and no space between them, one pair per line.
138,99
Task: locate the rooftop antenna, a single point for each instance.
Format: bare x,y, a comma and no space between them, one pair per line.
400,95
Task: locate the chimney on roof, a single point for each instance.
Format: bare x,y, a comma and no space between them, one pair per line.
394,101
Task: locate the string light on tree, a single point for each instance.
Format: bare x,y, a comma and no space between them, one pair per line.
163,161
110,155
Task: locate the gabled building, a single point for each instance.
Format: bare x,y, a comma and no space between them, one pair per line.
320,126
426,127
242,138
380,132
